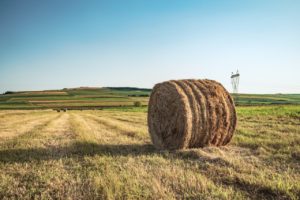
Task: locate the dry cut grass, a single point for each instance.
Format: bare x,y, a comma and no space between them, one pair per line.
108,155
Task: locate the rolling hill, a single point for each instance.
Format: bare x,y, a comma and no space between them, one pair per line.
96,98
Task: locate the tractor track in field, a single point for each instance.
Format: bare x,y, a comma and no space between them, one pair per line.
58,132
105,133
139,122
123,128
12,123
29,132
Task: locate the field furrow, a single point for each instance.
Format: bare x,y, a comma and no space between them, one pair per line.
108,134
27,125
58,132
12,120
135,131
29,136
7,113
139,118
82,129
129,119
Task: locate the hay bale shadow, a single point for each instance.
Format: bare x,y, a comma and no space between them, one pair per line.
76,150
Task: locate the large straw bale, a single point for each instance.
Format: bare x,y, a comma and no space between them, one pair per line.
190,114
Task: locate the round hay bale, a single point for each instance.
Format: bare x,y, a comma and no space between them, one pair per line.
190,113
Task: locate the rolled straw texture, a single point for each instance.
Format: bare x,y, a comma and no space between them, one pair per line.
190,114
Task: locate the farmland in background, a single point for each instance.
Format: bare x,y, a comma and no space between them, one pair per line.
90,98
77,98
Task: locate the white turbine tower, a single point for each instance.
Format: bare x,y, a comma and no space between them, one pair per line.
235,79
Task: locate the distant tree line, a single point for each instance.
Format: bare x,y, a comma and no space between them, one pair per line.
138,95
129,89
9,92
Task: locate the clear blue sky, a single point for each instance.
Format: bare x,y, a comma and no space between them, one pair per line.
52,44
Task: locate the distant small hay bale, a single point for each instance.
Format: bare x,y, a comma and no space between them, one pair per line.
137,104
58,110
190,113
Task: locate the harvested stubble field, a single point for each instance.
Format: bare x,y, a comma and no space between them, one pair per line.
107,154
